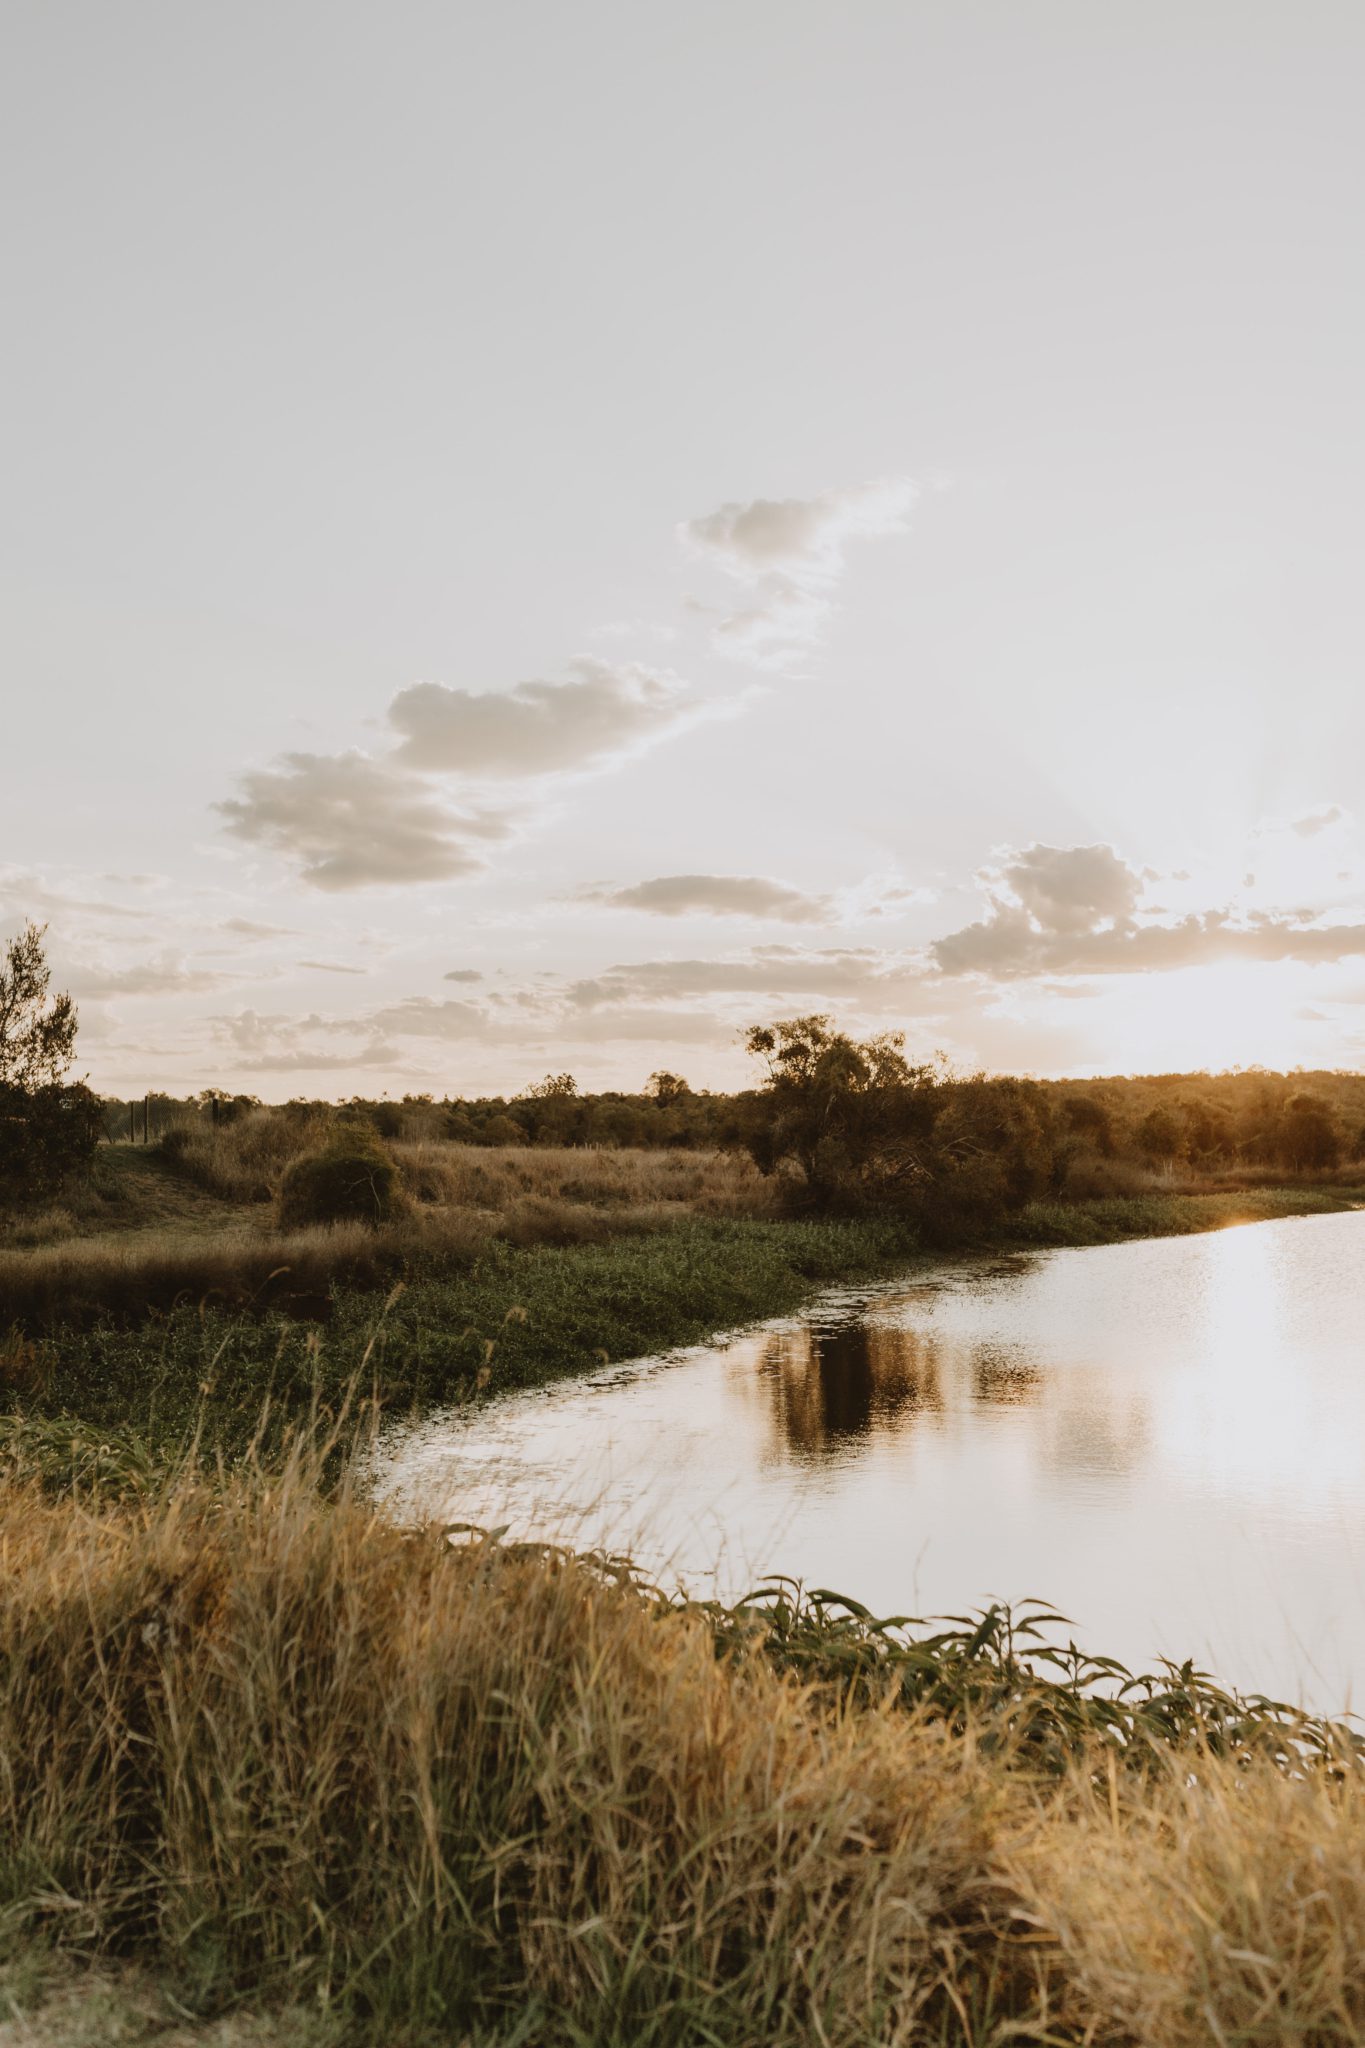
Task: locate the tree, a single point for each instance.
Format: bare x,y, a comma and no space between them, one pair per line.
555,1087
851,1117
1307,1140
1160,1136
665,1088
48,1128
37,1038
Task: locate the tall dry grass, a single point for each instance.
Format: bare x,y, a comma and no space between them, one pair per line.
457,1199
78,1283
246,1160
243,1161
278,1744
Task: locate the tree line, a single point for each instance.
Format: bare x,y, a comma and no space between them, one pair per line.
840,1123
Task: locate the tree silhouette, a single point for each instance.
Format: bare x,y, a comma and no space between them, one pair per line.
37,1037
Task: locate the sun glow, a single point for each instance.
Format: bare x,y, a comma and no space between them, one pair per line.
1238,1014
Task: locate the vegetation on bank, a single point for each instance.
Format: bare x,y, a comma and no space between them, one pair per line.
271,1747
503,1317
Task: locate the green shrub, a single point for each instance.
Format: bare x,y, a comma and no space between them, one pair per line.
48,1138
351,1179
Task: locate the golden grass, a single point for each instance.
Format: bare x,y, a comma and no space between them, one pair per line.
497,1177
275,1744
458,1198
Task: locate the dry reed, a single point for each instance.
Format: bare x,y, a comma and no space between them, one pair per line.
274,1742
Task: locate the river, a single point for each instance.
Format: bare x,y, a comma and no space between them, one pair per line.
1166,1439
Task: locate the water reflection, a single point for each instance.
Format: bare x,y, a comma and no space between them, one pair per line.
1167,1439
830,1387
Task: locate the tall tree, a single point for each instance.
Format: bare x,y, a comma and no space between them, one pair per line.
37,1036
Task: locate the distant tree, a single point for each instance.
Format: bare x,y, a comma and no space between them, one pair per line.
1160,1135
1091,1121
37,1037
1307,1140
501,1129
665,1088
555,1087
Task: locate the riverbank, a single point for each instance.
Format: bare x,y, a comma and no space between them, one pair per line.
285,1773
516,1317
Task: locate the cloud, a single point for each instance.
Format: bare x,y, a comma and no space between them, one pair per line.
331,967
463,974
1317,821
308,1061
801,538
168,975
247,929
423,1017
650,1027
766,970
790,552
28,895
1072,910
716,896
279,1044
1073,888
541,728
352,822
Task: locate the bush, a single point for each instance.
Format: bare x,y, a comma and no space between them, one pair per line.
48,1137
351,1180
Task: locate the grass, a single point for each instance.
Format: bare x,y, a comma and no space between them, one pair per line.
265,1748
513,1318
275,1773
1113,1219
153,1334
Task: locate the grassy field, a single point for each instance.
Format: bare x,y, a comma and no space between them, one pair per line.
170,1305
275,1773
272,1762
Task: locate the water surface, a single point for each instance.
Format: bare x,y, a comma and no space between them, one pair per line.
1166,1439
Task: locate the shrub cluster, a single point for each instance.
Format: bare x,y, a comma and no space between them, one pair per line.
48,1137
350,1179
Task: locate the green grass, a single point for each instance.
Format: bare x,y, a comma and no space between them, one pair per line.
1114,1219
517,1318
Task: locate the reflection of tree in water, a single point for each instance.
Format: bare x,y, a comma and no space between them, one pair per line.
1005,1375
831,1387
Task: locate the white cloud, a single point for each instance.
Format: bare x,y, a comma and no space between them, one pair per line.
351,822
1317,821
716,896
542,728
765,970
1072,910
1073,888
247,928
167,975
802,538
790,553
422,1017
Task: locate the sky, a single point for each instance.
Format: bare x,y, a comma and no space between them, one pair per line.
534,537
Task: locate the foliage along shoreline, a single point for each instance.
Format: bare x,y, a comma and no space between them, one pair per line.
516,1318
